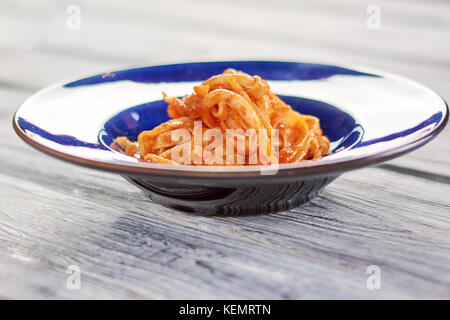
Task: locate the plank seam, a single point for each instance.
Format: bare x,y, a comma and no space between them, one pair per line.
416,173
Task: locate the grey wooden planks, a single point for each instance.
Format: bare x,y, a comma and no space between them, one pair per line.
53,214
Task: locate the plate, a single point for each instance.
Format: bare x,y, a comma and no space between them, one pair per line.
370,116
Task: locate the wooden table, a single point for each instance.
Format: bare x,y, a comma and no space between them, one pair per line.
53,215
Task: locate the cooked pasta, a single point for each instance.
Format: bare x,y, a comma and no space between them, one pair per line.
230,119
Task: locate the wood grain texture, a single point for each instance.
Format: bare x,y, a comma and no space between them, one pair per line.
54,214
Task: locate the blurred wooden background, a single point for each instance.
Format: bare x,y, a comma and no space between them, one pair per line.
53,214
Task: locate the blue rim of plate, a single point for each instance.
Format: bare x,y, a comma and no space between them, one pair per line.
279,73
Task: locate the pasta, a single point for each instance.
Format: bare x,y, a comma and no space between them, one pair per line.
230,119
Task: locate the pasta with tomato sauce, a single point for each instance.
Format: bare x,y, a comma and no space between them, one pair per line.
230,119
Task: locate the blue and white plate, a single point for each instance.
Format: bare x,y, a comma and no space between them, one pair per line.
370,116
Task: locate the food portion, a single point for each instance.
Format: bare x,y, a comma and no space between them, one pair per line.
230,119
